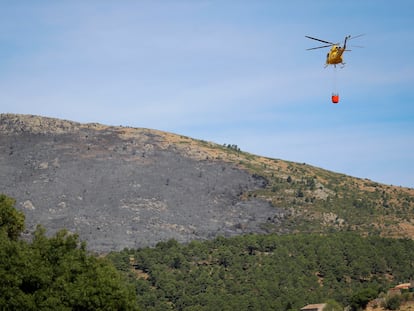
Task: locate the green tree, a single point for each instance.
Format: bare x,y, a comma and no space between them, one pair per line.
393,302
360,299
11,220
55,273
332,305
79,281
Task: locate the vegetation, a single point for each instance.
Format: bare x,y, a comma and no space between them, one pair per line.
11,221
251,272
393,303
322,261
54,273
324,258
267,272
320,201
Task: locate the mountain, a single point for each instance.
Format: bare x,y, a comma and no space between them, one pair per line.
131,187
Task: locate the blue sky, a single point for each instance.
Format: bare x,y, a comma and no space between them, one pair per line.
234,72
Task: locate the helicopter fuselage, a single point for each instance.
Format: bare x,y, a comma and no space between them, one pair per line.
334,55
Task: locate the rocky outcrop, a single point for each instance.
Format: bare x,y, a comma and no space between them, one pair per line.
18,124
121,187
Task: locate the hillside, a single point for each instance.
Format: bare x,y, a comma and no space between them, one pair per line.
130,187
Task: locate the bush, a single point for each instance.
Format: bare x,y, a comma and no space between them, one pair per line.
361,298
393,302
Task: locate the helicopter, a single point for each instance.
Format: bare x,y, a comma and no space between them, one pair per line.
334,56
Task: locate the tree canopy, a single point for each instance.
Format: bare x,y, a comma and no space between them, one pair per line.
54,273
268,272
250,272
11,220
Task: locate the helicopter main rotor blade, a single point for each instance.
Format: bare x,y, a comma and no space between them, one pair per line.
357,36
319,47
320,40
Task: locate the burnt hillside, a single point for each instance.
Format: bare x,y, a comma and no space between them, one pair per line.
129,187
122,187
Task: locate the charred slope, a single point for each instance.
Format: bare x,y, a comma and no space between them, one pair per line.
121,187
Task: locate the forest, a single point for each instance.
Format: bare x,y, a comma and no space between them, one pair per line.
267,272
249,272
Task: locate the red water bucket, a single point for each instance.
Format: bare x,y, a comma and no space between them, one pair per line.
335,98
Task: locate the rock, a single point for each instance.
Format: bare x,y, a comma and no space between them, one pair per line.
28,205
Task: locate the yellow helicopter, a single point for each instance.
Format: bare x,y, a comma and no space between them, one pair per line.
334,55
